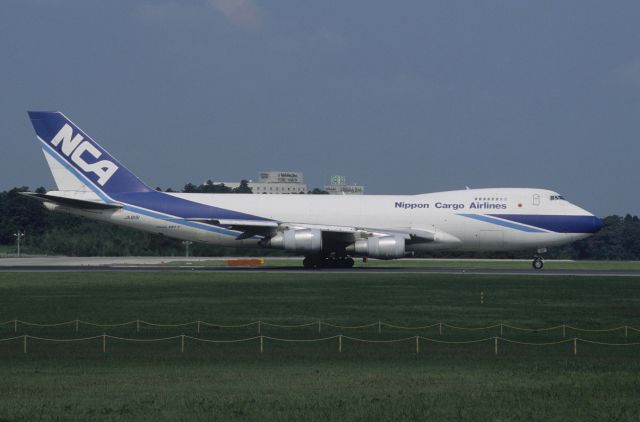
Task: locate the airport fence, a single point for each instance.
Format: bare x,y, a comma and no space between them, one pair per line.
417,341
441,327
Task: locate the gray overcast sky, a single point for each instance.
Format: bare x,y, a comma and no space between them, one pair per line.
401,96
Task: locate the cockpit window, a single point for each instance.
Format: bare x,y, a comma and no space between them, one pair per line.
557,198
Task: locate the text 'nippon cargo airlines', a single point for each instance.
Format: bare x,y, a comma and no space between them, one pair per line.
329,230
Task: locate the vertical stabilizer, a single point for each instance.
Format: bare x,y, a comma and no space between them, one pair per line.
77,162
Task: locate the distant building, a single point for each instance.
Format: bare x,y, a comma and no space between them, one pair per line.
339,186
275,182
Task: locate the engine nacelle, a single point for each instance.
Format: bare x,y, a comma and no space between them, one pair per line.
303,240
380,247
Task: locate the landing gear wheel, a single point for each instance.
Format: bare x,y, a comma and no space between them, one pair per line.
346,262
537,263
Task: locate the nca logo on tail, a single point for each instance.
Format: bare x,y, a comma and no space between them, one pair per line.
74,146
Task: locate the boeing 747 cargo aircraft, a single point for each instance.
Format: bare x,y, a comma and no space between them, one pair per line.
328,230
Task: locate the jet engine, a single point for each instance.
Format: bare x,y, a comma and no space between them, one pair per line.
302,240
380,247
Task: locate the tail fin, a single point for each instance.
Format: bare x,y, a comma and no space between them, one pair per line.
77,162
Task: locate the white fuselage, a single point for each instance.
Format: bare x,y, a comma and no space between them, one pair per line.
454,216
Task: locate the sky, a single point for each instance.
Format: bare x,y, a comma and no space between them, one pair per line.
404,97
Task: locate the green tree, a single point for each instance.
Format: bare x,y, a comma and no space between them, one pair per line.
190,188
243,188
318,191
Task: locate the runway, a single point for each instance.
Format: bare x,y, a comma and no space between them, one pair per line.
283,265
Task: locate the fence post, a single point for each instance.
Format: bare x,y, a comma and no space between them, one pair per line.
259,327
564,330
319,326
501,329
137,326
440,325
104,343
76,325
15,325
625,331
340,343
261,344
24,347
575,346
198,326
495,345
379,327
182,344
417,344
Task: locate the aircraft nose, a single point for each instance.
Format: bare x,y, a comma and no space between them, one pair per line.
597,224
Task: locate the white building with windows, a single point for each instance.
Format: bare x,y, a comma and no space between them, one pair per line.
339,186
275,182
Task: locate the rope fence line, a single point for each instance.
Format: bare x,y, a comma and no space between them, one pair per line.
549,343
557,327
319,323
455,327
400,327
350,327
210,324
271,324
339,337
609,344
183,324
45,324
622,327
122,324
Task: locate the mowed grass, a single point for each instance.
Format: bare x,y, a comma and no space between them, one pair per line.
315,381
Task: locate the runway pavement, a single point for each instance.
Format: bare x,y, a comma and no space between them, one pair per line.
153,264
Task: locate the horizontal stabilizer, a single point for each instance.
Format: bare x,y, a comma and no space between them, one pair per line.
71,202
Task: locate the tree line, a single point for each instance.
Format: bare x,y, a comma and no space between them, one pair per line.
60,234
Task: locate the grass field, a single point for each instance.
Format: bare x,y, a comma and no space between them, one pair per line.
314,381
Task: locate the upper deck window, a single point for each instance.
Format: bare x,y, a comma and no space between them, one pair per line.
557,198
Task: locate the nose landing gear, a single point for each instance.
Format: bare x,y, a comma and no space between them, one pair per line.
538,261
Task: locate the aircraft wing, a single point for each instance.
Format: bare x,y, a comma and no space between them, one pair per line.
348,234
352,233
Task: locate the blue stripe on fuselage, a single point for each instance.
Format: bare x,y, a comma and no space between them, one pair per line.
488,219
557,223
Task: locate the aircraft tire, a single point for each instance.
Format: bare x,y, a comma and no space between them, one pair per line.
537,264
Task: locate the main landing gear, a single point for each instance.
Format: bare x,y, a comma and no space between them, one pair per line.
312,262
